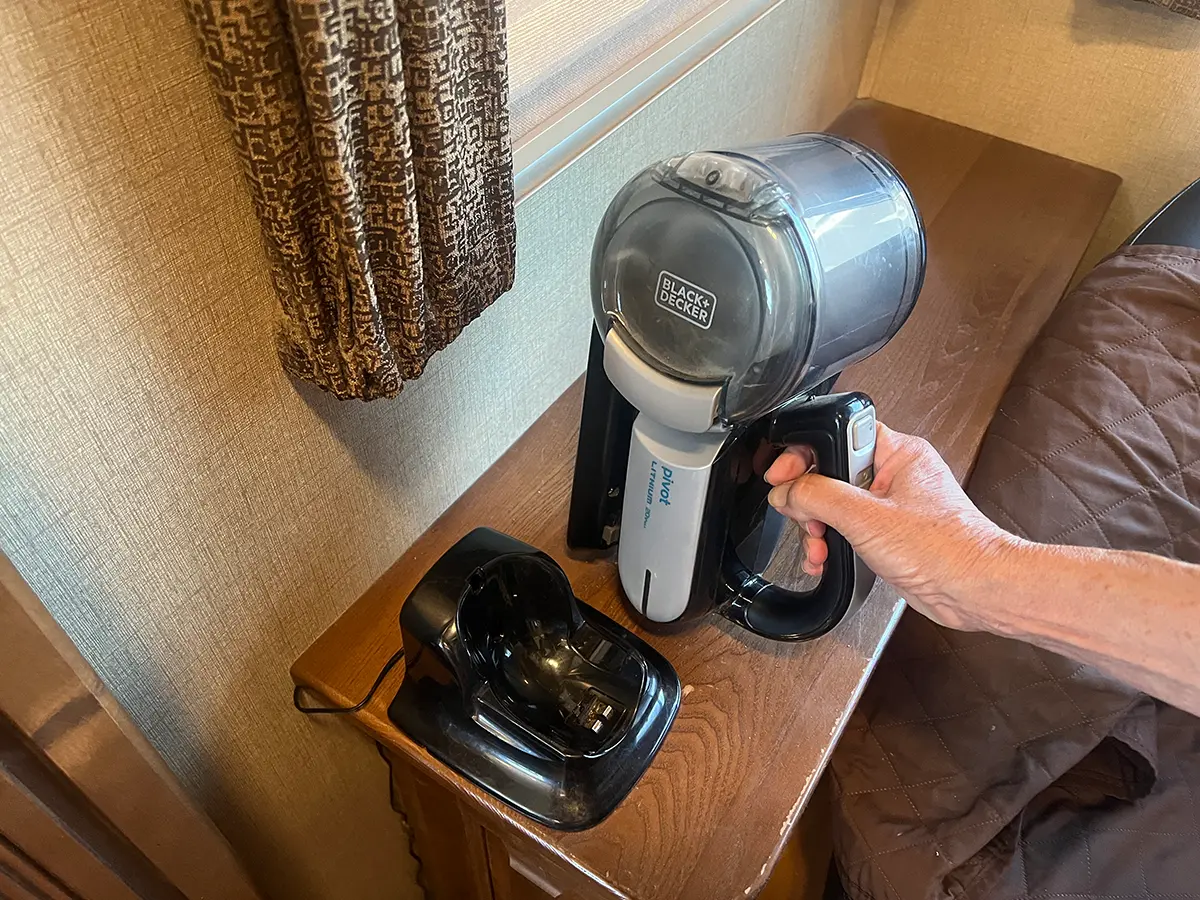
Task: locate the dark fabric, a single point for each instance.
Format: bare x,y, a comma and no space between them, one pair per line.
1184,7
1097,440
980,767
374,139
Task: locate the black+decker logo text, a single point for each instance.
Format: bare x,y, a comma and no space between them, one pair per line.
688,301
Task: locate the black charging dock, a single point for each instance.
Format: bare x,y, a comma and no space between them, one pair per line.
534,696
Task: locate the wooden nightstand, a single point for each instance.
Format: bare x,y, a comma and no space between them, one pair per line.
1006,227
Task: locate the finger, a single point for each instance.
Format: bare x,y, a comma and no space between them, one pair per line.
812,569
790,465
815,528
885,438
895,453
764,455
824,499
889,458
816,550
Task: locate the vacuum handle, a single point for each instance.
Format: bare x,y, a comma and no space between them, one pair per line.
841,430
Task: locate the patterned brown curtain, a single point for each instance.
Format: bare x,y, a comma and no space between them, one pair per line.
374,138
1185,7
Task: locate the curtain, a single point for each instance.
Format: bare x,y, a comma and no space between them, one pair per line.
1185,7
374,139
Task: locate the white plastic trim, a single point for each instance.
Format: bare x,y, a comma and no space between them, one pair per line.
676,404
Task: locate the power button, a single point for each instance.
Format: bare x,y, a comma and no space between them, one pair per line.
862,431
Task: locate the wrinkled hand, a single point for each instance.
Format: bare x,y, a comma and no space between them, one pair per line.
915,527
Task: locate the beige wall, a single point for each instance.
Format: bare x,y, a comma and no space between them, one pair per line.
1113,83
191,517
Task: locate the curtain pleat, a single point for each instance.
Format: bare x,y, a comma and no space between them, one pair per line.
374,138
1183,7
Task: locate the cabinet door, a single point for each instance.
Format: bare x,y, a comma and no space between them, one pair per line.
521,870
463,859
515,877
446,839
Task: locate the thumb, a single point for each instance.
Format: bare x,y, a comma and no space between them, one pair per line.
827,500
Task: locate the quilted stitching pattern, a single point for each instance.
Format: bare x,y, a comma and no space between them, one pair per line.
1138,851
975,766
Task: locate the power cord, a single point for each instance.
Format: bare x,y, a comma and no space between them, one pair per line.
298,692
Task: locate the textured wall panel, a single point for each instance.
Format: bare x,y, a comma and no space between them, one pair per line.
1112,83
190,516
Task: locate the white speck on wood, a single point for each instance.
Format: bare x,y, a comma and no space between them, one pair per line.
796,809
687,689
762,873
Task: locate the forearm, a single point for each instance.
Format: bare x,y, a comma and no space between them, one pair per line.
1133,615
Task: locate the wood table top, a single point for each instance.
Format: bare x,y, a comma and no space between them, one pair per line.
1006,226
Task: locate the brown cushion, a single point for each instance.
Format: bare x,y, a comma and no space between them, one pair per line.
1097,441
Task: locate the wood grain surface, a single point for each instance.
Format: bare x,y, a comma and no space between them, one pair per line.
1006,227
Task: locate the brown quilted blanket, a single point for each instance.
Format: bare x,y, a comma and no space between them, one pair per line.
980,767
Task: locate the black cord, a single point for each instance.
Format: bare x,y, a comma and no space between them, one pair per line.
335,710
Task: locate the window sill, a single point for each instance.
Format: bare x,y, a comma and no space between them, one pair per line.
563,136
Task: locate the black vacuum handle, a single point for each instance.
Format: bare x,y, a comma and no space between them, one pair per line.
601,457
836,426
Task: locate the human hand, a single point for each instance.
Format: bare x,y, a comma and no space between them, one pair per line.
915,527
